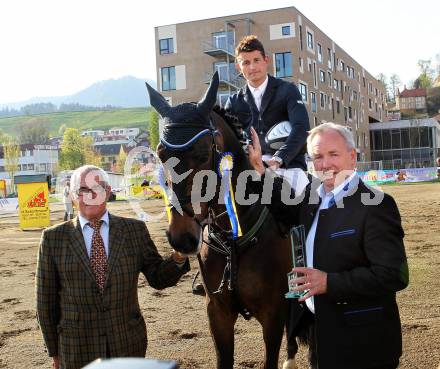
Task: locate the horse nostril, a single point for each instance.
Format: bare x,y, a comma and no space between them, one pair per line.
185,243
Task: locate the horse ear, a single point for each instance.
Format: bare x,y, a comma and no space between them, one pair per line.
158,102
208,101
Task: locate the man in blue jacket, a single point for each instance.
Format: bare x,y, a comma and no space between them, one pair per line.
266,101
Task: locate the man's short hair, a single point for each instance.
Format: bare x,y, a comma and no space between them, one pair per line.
248,44
78,173
345,133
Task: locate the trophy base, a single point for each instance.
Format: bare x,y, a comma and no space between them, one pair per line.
294,295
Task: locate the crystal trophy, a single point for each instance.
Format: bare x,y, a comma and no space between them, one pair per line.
298,242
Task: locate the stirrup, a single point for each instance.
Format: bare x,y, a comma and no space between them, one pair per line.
197,289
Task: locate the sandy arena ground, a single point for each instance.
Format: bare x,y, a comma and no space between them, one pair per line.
176,319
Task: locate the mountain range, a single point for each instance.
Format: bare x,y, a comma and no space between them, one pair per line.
124,92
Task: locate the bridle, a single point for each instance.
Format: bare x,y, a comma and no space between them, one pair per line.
182,198
219,239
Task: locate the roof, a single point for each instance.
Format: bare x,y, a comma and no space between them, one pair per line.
427,122
112,149
415,92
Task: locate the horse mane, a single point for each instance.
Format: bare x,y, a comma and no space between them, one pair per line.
231,120
232,129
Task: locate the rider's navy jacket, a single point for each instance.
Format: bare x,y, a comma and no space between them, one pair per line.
281,102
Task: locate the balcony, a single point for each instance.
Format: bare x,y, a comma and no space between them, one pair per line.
233,80
218,48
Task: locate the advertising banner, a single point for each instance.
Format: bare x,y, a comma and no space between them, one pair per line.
399,176
2,188
33,200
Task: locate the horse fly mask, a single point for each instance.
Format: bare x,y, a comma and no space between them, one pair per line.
185,124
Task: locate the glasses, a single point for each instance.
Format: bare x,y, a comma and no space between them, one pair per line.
95,190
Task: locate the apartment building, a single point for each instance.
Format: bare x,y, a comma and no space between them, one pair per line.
33,159
333,85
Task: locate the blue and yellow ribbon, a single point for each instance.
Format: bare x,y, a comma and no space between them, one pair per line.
163,185
225,167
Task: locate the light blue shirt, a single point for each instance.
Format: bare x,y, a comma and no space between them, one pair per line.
87,232
328,199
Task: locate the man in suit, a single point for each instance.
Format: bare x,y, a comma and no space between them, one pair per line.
355,258
87,278
265,101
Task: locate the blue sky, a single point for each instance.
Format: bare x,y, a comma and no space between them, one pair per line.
57,47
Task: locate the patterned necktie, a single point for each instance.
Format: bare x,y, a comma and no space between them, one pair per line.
98,258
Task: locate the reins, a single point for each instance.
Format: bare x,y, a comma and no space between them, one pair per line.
219,240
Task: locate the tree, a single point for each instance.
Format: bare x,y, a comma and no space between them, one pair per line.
426,77
122,157
62,129
77,151
153,128
382,78
11,152
394,84
35,132
91,156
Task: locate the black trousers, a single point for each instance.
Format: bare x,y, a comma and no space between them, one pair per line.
307,324
388,366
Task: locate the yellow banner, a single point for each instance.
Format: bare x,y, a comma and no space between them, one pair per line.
33,203
2,188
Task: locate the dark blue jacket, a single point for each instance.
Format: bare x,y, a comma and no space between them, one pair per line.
281,101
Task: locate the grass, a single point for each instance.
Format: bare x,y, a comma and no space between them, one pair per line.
104,120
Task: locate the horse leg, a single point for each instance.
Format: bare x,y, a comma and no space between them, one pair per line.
221,324
292,345
273,328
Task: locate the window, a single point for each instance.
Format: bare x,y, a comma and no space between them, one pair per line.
166,46
342,66
370,104
303,91
336,84
223,40
350,116
321,75
285,30
320,53
283,65
315,121
313,101
222,98
329,55
338,107
310,40
329,75
300,37
321,98
301,65
168,78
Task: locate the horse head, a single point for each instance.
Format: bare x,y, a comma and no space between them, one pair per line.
192,140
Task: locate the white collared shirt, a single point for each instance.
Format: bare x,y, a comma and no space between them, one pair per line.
334,196
258,92
87,232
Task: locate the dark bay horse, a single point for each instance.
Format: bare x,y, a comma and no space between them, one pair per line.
246,275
